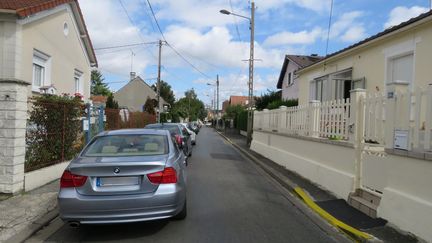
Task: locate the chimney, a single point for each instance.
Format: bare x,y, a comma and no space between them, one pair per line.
132,76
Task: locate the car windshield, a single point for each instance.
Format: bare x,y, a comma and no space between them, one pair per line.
173,129
127,145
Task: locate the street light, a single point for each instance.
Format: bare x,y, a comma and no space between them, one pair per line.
251,67
216,94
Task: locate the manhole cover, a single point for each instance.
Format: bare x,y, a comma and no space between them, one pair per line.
225,156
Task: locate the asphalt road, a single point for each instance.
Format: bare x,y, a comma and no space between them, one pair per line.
229,200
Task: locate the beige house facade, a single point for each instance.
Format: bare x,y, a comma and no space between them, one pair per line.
400,54
134,95
46,44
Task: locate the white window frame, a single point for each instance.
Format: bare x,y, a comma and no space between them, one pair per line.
43,60
290,79
78,75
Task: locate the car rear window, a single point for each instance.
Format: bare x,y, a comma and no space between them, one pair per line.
173,129
127,145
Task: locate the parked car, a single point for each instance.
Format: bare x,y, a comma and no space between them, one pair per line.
193,127
179,132
191,133
125,176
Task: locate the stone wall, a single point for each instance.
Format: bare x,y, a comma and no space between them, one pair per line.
13,116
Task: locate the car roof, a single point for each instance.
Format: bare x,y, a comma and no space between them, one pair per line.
140,131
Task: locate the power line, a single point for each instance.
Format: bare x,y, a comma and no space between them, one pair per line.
148,15
128,45
329,26
172,47
133,24
235,20
155,19
184,59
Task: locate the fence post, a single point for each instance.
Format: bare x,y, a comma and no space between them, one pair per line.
314,118
266,123
357,125
88,132
13,122
392,113
101,119
282,118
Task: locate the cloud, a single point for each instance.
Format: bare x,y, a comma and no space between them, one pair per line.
290,38
314,5
105,30
401,14
217,47
348,27
353,34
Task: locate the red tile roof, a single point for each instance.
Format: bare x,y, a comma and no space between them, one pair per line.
238,100
28,7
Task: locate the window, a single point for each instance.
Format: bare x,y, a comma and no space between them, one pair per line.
79,88
289,82
41,68
127,145
401,69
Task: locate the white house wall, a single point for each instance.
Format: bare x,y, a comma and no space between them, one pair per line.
292,91
10,47
404,182
371,61
66,52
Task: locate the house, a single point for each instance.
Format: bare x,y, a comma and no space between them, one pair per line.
288,79
135,93
400,54
238,100
46,43
99,100
225,105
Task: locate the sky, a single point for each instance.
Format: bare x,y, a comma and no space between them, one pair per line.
202,43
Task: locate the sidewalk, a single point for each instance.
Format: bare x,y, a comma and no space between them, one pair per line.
338,208
24,214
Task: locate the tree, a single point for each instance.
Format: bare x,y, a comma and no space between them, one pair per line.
111,102
189,106
150,105
98,87
165,92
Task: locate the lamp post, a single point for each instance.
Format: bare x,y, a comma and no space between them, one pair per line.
216,95
251,67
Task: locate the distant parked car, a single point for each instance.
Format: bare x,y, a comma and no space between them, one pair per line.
191,133
125,176
179,132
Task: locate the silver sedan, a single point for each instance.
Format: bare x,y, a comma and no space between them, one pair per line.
125,176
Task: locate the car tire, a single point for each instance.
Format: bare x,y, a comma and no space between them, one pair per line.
190,153
193,143
183,213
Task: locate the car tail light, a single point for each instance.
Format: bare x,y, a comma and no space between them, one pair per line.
179,139
71,180
167,176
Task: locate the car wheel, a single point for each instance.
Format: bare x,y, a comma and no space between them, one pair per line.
190,153
182,214
193,143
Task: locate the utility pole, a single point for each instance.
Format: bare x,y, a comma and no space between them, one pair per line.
251,70
217,88
158,82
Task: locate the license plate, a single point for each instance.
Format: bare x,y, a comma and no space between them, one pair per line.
117,181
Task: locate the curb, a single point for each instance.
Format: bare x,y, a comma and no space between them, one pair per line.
34,227
351,232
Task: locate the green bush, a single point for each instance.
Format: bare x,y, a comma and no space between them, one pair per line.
53,130
242,118
277,103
